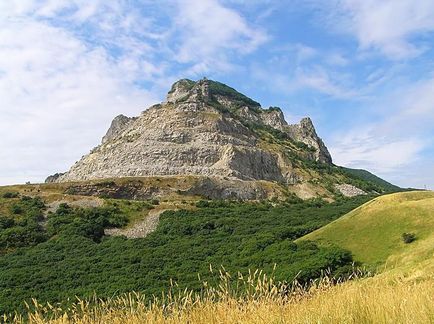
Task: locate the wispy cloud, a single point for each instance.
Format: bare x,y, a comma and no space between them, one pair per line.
205,40
58,96
325,81
388,26
382,155
397,139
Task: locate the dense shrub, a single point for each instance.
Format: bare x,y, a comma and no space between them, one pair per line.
84,222
408,237
10,194
26,230
16,209
78,260
6,222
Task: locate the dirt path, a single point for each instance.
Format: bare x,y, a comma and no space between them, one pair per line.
139,229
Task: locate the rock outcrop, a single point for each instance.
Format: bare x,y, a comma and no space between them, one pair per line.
348,190
118,125
54,177
203,128
304,132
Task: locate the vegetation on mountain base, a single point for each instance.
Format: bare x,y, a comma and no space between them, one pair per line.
77,260
392,296
22,226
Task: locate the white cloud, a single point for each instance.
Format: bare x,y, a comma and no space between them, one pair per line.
304,52
58,97
399,139
336,59
207,31
380,155
387,26
319,79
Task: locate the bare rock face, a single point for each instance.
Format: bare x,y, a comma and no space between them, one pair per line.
349,190
305,132
53,178
203,128
118,125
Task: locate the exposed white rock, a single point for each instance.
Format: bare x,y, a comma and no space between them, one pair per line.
349,190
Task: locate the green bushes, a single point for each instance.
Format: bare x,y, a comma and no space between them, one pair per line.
78,260
10,194
21,236
218,88
26,229
6,222
408,237
84,222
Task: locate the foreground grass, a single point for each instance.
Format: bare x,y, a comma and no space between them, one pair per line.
369,300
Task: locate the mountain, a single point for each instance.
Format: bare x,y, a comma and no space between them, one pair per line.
231,145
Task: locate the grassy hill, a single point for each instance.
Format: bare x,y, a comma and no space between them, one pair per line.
373,232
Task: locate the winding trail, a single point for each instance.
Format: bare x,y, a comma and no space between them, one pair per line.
140,229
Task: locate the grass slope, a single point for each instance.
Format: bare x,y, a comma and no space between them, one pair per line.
372,232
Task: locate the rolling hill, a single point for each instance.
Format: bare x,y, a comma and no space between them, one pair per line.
373,232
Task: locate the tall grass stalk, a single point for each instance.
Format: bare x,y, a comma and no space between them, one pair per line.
255,298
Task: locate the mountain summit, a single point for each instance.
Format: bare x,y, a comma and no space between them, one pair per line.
208,129
203,128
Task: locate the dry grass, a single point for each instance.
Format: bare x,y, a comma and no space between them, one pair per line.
368,300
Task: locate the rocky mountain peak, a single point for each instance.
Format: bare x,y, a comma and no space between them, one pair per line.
205,91
204,128
118,124
179,90
307,124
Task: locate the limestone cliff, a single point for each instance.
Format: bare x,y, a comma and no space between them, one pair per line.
203,128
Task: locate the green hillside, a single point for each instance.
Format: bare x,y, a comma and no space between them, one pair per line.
364,175
373,232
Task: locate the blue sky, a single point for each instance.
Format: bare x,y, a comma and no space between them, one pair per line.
363,70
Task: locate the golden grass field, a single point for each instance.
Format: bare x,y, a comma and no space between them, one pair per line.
369,300
403,291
